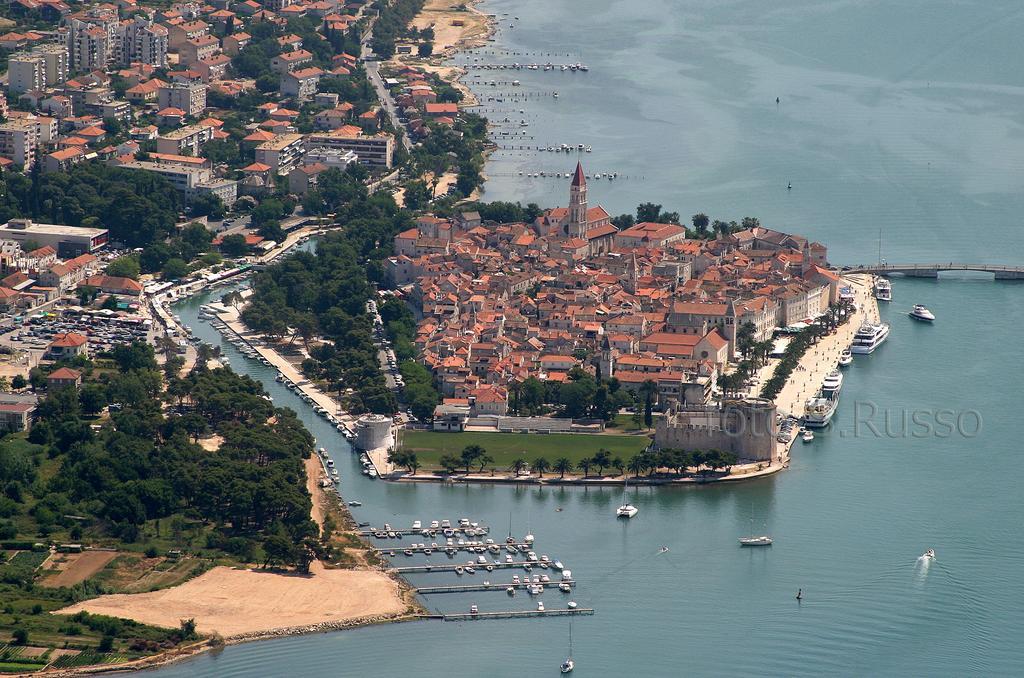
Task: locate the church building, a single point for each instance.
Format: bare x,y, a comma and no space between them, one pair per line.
578,222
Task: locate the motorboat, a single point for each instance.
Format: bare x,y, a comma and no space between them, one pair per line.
416,525
763,540
540,605
930,553
571,605
869,337
473,609
807,436
818,411
511,590
833,384
920,312
845,358
883,290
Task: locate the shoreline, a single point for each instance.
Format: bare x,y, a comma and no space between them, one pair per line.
322,504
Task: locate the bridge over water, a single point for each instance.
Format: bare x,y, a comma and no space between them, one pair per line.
1000,271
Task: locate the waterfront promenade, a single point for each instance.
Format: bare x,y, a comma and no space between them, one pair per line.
823,357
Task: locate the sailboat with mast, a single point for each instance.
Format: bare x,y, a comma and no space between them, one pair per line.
568,665
754,539
627,510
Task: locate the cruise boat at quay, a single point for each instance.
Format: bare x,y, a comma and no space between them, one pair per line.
883,290
818,411
869,337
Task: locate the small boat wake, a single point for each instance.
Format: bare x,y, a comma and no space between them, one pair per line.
923,564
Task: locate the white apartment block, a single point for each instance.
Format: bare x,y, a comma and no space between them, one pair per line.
190,181
25,72
19,141
190,97
140,40
91,44
282,153
375,150
184,141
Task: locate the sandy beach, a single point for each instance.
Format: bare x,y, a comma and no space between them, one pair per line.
234,602
454,28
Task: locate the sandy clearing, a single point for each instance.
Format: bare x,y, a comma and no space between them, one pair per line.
77,567
314,472
442,15
233,602
211,443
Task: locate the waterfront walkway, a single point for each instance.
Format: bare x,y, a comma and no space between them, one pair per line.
823,357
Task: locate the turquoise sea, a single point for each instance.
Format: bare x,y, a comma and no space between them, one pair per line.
900,117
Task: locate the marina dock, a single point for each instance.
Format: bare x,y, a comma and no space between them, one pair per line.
514,614
469,588
369,532
451,568
439,548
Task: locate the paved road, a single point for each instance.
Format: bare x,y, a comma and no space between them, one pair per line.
373,73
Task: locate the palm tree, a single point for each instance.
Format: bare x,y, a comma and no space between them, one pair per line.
562,465
540,465
412,463
619,465
636,465
602,459
585,465
518,466
484,459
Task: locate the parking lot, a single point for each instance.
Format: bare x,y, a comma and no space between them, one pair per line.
102,330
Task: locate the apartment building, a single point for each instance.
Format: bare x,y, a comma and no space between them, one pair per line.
375,150
301,83
190,98
290,61
191,182
194,51
19,141
179,34
91,40
25,72
282,153
142,41
186,140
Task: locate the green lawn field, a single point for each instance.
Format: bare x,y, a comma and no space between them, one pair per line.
505,448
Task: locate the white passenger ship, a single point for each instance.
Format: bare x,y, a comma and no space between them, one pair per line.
869,337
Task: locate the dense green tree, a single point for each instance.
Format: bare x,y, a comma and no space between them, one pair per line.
125,267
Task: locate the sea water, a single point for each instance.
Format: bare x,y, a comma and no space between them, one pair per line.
900,118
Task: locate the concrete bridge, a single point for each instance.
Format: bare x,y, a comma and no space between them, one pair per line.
1001,272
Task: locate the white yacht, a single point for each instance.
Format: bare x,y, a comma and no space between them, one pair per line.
883,289
627,510
763,540
807,436
845,358
833,384
869,337
920,312
818,411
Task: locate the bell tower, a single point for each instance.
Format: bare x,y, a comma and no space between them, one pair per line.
578,204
